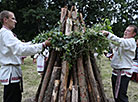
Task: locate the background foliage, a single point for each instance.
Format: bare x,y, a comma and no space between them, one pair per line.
34,16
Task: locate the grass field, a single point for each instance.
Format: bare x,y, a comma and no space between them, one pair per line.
32,80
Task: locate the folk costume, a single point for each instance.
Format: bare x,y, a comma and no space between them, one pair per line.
135,67
121,62
11,50
41,59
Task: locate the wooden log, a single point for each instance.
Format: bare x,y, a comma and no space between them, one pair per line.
40,85
75,84
75,78
63,18
82,23
68,97
48,92
91,95
68,25
98,78
75,19
71,83
92,81
55,91
75,93
47,75
64,80
82,82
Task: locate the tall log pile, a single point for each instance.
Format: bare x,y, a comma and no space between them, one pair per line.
82,82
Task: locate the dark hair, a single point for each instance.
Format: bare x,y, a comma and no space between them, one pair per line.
4,14
135,28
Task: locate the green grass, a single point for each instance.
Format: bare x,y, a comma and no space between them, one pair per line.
32,79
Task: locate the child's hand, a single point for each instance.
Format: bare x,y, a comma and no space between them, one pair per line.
34,60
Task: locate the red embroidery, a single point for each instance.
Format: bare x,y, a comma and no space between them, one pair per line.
15,78
135,65
122,72
4,81
40,66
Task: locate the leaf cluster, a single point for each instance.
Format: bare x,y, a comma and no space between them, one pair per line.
77,42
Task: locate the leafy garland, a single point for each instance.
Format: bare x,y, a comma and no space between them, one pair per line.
78,42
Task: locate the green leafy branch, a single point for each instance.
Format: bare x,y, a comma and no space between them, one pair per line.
78,42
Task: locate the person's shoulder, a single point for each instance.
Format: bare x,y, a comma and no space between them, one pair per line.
129,39
6,32
133,40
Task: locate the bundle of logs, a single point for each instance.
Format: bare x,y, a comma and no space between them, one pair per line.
81,83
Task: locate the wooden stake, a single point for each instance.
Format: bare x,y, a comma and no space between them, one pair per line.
64,80
98,78
48,92
47,75
92,80
55,91
82,82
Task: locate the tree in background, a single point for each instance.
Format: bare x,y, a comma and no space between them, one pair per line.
34,16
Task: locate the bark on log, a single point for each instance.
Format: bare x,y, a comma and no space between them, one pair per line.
63,18
48,92
75,93
91,96
55,91
47,75
82,82
82,23
98,78
68,98
92,80
75,78
40,85
75,84
64,80
75,20
68,26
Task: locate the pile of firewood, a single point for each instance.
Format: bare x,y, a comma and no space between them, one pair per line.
82,82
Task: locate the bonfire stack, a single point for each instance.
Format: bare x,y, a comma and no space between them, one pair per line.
81,83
